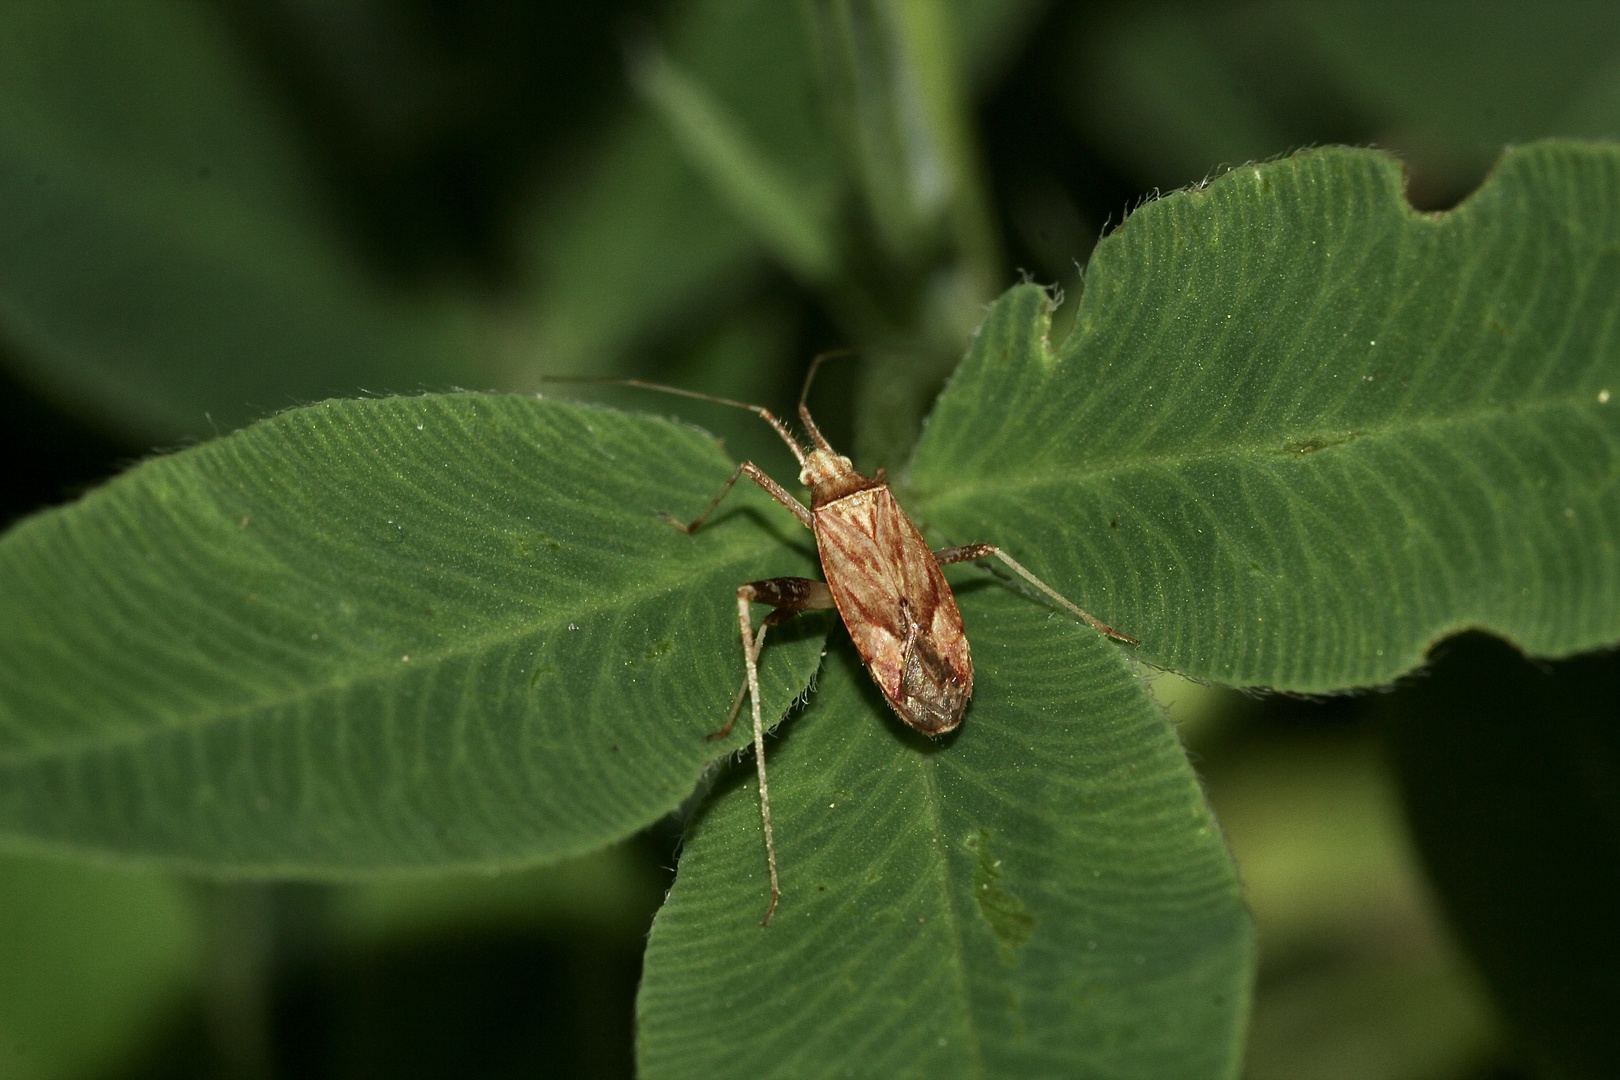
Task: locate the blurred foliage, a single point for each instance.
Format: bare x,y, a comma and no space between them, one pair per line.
1359,977
1178,90
1511,775
217,210
169,264
92,960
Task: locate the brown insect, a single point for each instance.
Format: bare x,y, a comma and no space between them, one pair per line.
881,576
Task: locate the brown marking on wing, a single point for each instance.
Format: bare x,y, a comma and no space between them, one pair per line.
898,607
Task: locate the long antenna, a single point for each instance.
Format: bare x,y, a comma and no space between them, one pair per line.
758,410
804,396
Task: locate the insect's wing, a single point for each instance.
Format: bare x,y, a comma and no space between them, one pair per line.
883,578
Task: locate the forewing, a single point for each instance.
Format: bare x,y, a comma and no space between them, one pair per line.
873,556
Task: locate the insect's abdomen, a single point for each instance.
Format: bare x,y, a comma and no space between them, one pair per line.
898,608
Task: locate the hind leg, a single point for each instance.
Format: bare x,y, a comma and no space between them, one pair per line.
788,596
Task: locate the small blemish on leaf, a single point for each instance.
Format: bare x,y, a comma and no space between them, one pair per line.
1008,918
1319,442
657,649
539,673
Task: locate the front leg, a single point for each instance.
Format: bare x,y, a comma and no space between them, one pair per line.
758,476
970,552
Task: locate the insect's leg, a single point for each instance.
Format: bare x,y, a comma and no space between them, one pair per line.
742,689
750,664
789,596
757,475
970,552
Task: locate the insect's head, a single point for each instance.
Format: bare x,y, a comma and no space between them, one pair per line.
822,466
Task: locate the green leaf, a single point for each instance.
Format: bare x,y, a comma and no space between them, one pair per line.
1043,893
1508,770
1300,431
369,635
166,263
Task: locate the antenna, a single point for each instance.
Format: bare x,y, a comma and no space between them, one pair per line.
758,410
804,396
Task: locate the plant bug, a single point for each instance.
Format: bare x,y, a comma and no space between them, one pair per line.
881,576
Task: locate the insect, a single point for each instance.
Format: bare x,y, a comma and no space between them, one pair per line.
886,584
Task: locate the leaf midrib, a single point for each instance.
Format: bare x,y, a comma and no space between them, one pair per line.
933,801
966,491
160,729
